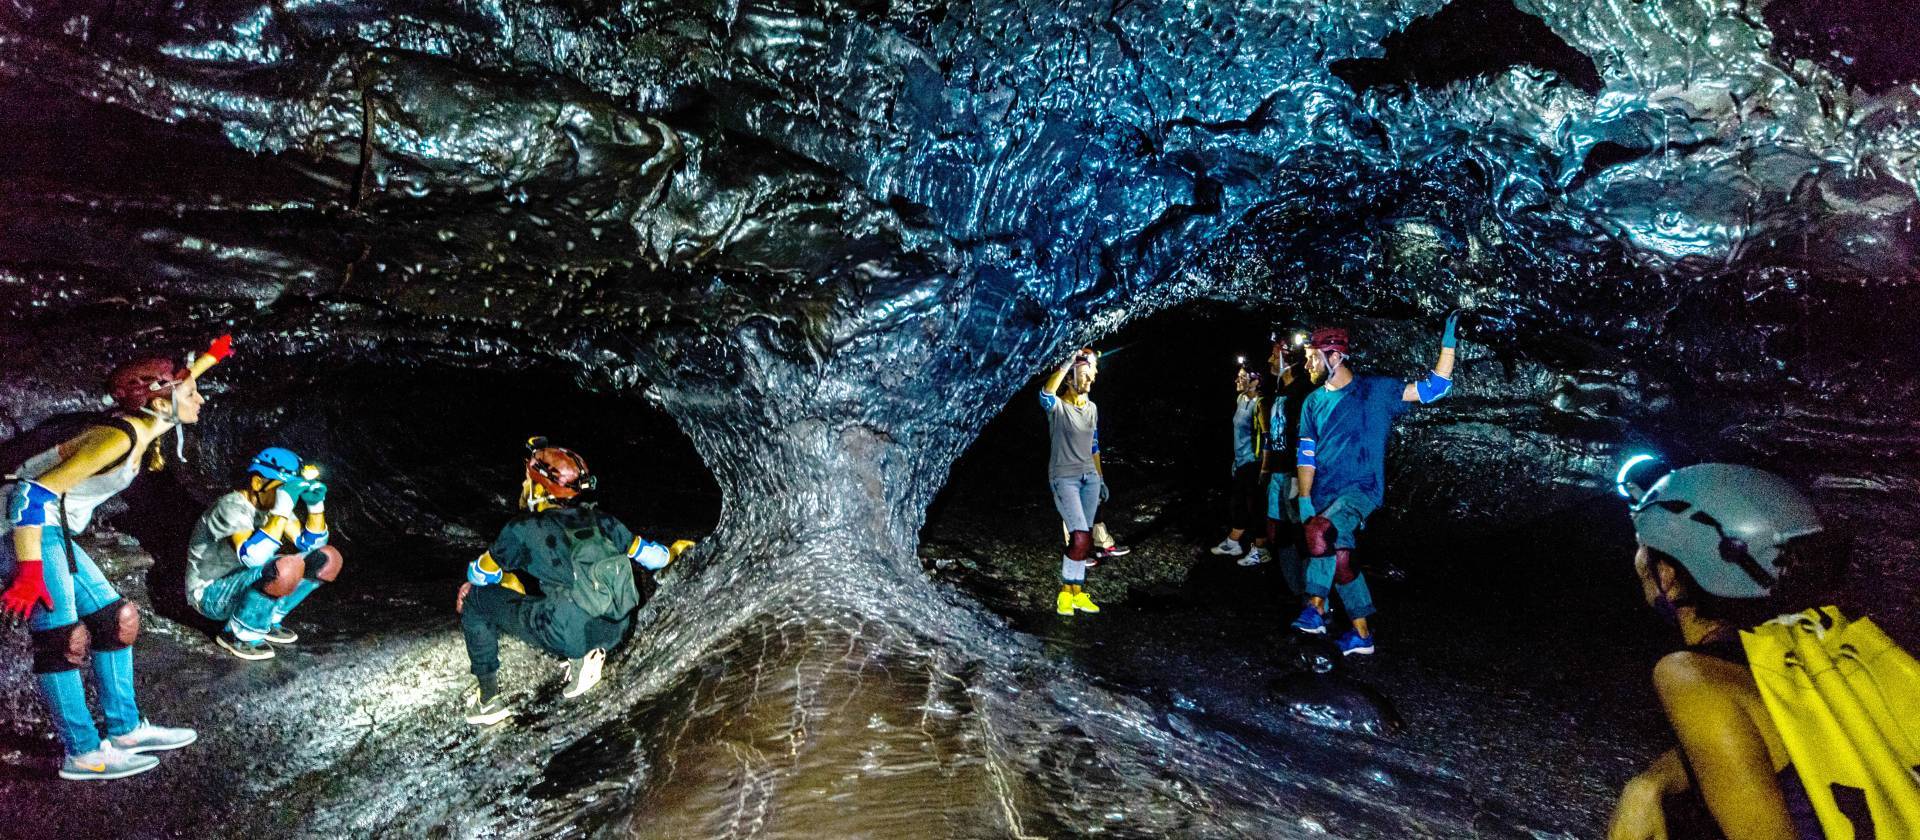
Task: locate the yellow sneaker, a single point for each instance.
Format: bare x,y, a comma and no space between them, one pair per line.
1064,604
1085,604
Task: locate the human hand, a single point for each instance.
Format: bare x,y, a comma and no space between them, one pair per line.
1447,337
1306,508
221,348
460,600
29,588
1639,815
1105,493
314,495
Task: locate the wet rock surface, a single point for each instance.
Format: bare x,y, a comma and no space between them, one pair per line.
831,242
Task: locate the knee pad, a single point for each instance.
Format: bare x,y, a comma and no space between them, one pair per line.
1343,570
324,564
1320,536
59,649
114,626
1080,546
280,576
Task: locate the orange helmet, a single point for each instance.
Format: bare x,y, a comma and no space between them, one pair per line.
561,472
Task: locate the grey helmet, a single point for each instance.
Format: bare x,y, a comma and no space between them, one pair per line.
1725,523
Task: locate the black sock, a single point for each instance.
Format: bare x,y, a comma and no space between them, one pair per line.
489,686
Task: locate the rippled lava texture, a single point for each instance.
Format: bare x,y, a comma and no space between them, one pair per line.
831,240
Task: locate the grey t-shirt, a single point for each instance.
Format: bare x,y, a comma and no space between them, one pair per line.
210,554
1075,431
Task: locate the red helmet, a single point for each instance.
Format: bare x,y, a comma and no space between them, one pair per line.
134,384
561,472
1328,338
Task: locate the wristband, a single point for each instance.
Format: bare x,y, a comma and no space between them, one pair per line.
310,540
481,577
32,505
1433,387
651,555
316,508
282,503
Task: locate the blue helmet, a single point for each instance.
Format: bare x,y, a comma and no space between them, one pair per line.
275,464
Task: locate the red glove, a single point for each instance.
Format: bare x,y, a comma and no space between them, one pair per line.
29,588
221,348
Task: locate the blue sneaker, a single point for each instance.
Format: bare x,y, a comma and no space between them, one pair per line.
1311,621
1352,642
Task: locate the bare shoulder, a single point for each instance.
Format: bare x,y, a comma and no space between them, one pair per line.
1690,678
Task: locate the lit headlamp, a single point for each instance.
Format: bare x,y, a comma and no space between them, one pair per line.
1637,475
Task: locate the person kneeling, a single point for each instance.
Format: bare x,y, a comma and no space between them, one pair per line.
237,571
582,560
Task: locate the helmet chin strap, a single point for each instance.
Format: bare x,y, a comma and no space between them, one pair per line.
172,419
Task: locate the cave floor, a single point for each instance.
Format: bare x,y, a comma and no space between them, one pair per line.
1509,702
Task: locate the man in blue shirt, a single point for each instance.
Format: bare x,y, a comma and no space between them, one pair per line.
1341,467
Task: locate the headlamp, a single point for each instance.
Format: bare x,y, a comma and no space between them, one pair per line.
1624,481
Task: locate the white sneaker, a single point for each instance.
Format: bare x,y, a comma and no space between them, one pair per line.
1226,548
147,738
584,673
107,762
1255,557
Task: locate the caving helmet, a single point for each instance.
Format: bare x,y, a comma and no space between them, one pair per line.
559,471
275,464
1725,523
1328,339
134,384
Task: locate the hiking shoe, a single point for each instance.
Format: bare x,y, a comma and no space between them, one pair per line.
1085,604
1311,621
107,762
584,673
147,738
280,635
1114,551
486,711
244,650
1226,548
1255,557
1353,643
1063,604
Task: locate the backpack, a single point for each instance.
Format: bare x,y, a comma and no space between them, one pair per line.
1846,701
602,584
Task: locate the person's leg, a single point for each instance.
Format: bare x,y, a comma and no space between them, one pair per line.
60,644
490,612
1348,513
112,625
322,565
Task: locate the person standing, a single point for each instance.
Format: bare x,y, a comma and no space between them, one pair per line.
1341,467
1244,493
1278,470
68,604
1073,471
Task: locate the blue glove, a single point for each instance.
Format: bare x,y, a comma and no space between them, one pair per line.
1447,339
1105,494
1306,508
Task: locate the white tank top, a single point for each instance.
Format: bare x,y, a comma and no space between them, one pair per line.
92,490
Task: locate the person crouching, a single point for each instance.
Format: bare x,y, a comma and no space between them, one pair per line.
251,560
582,559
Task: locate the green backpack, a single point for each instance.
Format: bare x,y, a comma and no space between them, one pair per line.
602,584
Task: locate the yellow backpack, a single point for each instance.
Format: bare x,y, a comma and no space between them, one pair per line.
1846,700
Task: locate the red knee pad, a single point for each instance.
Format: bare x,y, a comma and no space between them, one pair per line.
1320,536
1343,570
282,576
114,626
59,649
330,565
1080,546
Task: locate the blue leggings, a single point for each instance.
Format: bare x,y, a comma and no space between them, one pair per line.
78,590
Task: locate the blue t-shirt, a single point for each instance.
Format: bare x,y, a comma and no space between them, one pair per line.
1349,428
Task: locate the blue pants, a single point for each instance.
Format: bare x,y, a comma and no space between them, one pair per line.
1348,513
1077,497
249,611
78,590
